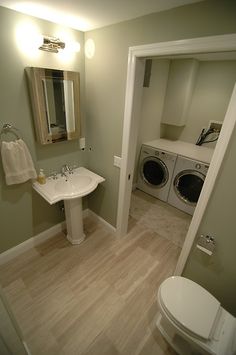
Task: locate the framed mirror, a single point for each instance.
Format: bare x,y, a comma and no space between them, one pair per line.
55,97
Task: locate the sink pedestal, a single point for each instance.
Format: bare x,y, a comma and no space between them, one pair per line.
70,188
74,220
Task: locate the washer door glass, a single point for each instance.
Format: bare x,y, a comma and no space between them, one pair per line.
188,185
154,172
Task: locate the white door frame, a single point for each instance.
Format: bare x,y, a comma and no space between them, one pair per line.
137,54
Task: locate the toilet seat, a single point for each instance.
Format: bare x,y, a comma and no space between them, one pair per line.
189,305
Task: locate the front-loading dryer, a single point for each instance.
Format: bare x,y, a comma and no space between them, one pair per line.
188,179
155,171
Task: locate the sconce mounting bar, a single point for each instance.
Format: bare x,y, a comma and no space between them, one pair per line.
52,44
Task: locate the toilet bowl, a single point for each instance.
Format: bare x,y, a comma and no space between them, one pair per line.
193,321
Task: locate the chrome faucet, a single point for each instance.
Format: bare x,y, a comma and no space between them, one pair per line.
64,169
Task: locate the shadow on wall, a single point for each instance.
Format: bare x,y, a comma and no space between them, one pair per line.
172,134
12,194
97,197
61,153
44,215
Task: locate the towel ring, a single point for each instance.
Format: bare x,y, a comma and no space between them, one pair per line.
8,127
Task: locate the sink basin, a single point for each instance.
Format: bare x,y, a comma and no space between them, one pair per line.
79,184
70,188
73,185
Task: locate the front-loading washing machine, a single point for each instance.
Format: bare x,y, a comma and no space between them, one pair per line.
155,171
188,179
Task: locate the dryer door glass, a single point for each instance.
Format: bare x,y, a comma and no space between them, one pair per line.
154,172
188,185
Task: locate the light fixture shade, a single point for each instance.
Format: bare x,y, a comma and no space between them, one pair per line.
89,48
52,44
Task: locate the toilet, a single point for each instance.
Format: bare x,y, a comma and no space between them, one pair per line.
193,321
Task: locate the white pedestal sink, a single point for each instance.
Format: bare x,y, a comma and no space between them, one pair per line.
70,188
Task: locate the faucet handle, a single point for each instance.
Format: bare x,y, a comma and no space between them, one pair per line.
71,169
64,168
53,175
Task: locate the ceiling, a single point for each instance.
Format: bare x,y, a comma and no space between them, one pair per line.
86,15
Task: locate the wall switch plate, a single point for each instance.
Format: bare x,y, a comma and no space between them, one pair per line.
82,143
117,161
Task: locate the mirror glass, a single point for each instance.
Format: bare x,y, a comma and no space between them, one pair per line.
55,101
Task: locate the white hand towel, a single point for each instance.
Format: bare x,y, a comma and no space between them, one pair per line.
17,162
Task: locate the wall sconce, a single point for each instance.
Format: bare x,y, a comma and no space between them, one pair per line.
52,44
29,40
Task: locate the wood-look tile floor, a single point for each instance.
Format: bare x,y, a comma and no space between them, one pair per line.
98,298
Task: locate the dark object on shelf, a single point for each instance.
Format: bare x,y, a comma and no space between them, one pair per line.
205,133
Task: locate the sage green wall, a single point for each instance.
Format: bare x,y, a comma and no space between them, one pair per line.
106,79
23,213
217,273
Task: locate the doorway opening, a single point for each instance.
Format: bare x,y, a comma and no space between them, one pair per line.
136,67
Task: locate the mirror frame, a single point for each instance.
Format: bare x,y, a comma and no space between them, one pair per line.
35,76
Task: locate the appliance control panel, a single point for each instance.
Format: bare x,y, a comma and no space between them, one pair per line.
165,156
202,167
198,166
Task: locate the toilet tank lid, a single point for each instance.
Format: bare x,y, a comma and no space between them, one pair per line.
190,305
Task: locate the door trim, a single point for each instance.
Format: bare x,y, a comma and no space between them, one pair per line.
135,70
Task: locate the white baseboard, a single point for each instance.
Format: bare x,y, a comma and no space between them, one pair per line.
30,243
26,348
45,235
100,219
